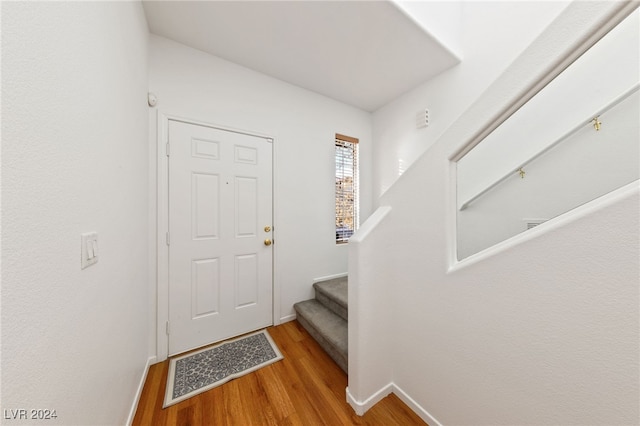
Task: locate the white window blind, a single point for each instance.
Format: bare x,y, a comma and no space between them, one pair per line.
346,187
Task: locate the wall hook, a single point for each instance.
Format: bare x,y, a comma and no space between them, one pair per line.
521,172
596,123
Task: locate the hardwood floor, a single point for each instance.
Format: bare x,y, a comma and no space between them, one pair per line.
305,388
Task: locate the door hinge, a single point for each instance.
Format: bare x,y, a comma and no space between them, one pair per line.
167,149
167,328
168,238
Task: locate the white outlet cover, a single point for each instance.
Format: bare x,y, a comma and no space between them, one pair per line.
88,249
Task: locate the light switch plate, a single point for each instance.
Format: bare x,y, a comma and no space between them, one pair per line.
88,249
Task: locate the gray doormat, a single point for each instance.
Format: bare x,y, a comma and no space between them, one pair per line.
207,368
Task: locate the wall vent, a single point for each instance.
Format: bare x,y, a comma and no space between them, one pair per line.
532,223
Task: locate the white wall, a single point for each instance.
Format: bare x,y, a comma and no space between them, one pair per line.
493,34
540,330
441,19
196,85
605,72
74,159
581,168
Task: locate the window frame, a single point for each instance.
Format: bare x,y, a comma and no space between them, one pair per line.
342,221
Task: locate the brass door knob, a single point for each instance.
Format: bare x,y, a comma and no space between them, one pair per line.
267,242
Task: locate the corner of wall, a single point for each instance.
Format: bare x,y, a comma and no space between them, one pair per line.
370,314
134,405
361,407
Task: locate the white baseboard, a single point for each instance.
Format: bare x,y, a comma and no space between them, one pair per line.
287,318
362,407
134,406
415,407
330,277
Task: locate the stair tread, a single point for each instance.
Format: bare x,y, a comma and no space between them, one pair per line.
335,289
331,326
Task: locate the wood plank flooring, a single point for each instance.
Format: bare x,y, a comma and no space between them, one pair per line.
305,388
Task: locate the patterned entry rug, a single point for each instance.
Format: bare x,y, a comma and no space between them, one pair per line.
207,368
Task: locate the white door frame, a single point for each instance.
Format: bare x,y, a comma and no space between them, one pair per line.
162,221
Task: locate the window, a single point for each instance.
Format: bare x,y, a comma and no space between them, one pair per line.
346,187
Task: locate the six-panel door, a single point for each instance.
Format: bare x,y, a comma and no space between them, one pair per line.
220,203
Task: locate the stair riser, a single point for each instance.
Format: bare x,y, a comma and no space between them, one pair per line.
336,308
335,354
325,318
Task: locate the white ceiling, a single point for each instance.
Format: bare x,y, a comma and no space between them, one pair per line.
363,53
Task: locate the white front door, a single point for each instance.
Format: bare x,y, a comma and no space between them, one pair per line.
220,214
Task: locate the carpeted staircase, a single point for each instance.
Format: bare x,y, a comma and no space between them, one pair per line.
325,318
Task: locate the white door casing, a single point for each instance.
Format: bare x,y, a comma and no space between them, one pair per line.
219,203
